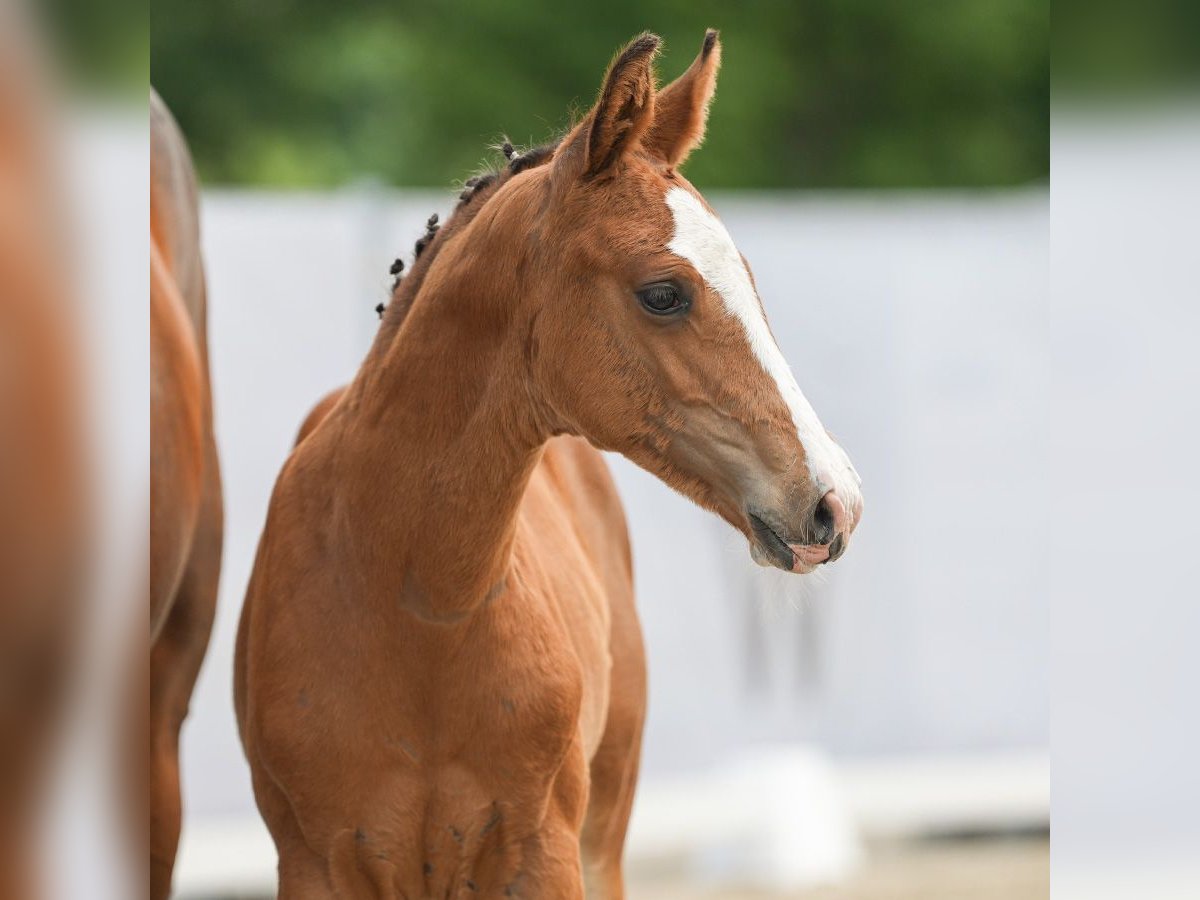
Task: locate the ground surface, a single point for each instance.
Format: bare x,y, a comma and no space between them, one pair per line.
1012,869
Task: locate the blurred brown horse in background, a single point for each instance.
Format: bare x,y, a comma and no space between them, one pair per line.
186,518
440,678
44,501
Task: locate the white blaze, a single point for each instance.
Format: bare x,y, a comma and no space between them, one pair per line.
702,240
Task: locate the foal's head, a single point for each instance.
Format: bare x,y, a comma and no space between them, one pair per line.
646,333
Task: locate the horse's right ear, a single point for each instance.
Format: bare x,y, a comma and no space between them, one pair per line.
682,106
622,114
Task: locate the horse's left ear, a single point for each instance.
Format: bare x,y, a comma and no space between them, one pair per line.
681,108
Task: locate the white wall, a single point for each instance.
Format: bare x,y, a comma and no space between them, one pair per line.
916,326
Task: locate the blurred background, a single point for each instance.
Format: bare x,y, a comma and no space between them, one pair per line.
880,731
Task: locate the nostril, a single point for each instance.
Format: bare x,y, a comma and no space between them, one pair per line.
829,518
824,522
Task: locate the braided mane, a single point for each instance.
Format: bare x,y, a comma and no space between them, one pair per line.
477,190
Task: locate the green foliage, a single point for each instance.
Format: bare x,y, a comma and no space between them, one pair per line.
102,47
1113,49
815,93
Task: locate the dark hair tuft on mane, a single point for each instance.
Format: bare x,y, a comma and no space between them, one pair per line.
431,230
531,158
476,183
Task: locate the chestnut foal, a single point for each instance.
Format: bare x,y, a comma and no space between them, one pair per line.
186,519
440,679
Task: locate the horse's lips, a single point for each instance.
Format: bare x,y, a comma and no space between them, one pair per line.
808,555
803,557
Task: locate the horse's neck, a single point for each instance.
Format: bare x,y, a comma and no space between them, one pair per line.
434,457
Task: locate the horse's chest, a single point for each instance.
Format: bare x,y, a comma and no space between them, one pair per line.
520,684
451,742
479,737
517,692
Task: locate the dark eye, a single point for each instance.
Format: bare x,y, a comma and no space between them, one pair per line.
662,299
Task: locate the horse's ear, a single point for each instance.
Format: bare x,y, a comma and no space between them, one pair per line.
623,113
681,108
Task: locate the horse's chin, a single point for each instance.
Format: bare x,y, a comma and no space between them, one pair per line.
771,560
760,556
